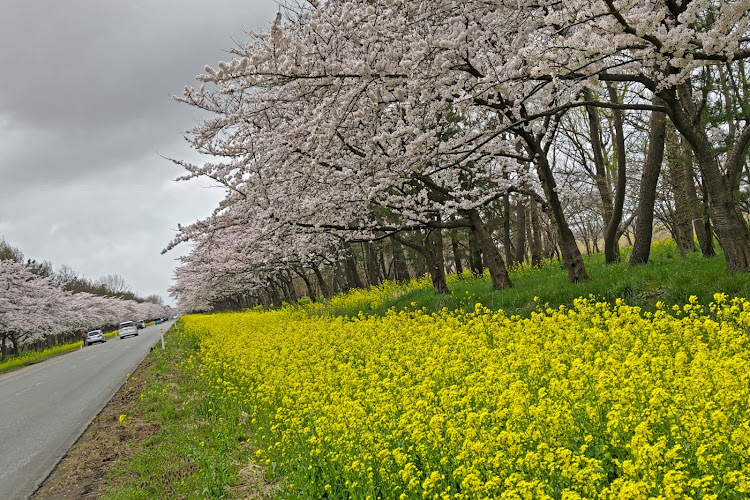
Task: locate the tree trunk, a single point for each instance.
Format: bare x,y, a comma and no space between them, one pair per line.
492,257
568,247
321,282
419,265
284,291
475,256
507,243
536,233
702,226
647,193
273,294
611,230
338,282
310,288
372,267
600,168
520,246
14,339
400,269
287,285
350,268
730,227
435,261
382,267
431,249
594,239
683,208
456,255
265,298
587,244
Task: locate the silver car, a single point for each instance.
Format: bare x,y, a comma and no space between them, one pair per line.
128,328
93,337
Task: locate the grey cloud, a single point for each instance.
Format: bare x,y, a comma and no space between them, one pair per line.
100,62
85,113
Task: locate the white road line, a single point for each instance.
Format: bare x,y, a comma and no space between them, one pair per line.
29,388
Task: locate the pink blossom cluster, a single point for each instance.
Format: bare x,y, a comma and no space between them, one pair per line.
32,307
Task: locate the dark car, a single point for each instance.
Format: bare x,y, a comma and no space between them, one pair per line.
93,337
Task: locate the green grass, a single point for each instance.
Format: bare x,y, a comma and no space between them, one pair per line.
199,447
667,277
26,358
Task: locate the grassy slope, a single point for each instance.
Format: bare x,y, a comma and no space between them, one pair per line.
668,278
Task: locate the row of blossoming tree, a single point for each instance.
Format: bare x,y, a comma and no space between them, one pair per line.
381,129
36,308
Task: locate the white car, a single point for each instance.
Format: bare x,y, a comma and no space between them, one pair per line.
128,328
93,337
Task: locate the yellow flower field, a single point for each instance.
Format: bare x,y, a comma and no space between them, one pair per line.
596,401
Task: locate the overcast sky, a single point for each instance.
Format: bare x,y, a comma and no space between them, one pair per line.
86,116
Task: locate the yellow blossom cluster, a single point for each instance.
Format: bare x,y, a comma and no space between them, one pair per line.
594,401
361,299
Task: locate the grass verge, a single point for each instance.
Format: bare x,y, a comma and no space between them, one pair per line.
667,277
26,358
162,436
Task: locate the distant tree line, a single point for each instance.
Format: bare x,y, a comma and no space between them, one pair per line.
111,285
40,307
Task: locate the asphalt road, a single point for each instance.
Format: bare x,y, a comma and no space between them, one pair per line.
44,408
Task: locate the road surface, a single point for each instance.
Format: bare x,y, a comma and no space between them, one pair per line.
44,408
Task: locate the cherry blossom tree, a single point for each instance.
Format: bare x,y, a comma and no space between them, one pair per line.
665,47
24,297
33,309
379,132
375,118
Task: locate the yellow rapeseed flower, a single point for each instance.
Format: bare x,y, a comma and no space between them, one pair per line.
593,401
